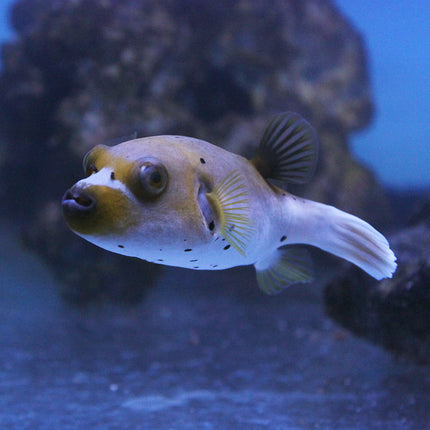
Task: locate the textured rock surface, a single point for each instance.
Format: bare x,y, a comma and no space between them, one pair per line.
395,312
83,72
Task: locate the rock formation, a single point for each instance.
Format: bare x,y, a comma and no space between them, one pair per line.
83,72
394,313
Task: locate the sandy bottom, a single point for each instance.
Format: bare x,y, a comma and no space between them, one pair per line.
199,353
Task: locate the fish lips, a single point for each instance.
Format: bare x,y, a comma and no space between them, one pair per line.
77,203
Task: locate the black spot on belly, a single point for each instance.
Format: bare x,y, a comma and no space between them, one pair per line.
283,238
187,250
160,259
214,265
226,247
202,160
195,267
192,261
120,246
211,225
112,176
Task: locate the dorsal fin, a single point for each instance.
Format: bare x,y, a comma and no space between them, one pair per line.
288,150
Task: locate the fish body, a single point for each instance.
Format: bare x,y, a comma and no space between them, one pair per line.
184,202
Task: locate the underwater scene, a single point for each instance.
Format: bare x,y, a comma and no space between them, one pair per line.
214,215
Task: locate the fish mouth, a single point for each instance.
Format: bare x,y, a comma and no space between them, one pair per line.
77,203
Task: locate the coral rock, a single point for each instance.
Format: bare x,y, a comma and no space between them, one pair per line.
394,313
84,72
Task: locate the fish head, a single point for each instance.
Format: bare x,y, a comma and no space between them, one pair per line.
138,195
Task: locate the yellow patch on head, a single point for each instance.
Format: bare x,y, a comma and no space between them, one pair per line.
113,214
101,156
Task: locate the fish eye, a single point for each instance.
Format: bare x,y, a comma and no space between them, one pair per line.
89,161
86,164
152,176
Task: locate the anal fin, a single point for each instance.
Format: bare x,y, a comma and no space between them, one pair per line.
284,267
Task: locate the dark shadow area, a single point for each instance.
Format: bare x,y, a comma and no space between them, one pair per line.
215,93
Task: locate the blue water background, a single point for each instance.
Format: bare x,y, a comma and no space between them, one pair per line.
397,34
5,30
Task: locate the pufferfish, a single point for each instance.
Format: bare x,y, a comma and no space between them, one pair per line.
184,202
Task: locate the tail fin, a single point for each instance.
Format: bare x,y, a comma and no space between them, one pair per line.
346,236
358,242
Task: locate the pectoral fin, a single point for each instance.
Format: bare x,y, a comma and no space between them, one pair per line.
283,268
230,202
